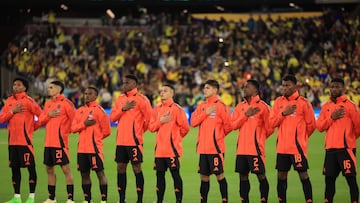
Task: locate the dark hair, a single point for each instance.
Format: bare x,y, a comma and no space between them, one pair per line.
132,77
23,81
339,80
60,84
212,83
291,78
95,89
170,86
254,83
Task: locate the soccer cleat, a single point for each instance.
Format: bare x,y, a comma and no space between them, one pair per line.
103,202
69,201
15,200
49,201
30,200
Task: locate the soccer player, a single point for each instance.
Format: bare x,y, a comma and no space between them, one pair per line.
19,112
251,118
57,115
169,121
213,119
294,117
132,111
93,125
340,118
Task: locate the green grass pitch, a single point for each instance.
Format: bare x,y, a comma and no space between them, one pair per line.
189,173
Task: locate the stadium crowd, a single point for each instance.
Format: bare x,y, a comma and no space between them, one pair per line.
187,52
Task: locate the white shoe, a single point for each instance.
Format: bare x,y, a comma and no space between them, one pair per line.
69,201
49,201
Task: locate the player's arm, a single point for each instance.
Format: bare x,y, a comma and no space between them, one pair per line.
117,111
355,118
226,117
77,124
238,118
182,122
276,117
198,116
146,111
265,116
309,118
324,120
104,123
154,123
6,113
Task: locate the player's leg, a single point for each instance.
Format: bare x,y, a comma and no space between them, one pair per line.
69,179
122,160
50,170
103,185
218,163
160,166
139,180
178,185
264,187
136,160
283,164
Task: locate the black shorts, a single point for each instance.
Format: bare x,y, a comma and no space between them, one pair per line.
21,156
247,163
211,164
124,154
337,160
85,162
284,162
56,156
161,164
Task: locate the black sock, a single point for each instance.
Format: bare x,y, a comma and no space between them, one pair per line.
121,181
204,190
87,191
139,186
223,190
160,185
281,189
32,178
329,188
16,179
307,189
103,191
244,190
70,191
354,189
178,185
264,190
51,190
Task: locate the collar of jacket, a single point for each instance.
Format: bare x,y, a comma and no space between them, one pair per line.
253,100
20,95
132,92
342,98
91,104
59,97
167,103
294,96
212,99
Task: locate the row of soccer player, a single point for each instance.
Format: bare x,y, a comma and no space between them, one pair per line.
253,118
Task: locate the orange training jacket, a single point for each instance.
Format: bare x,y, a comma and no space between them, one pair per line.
340,133
295,129
58,128
20,125
132,123
169,135
212,128
253,130
91,137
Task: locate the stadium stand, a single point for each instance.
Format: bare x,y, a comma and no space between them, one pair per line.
186,51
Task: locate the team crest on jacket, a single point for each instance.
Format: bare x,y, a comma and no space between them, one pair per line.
212,115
